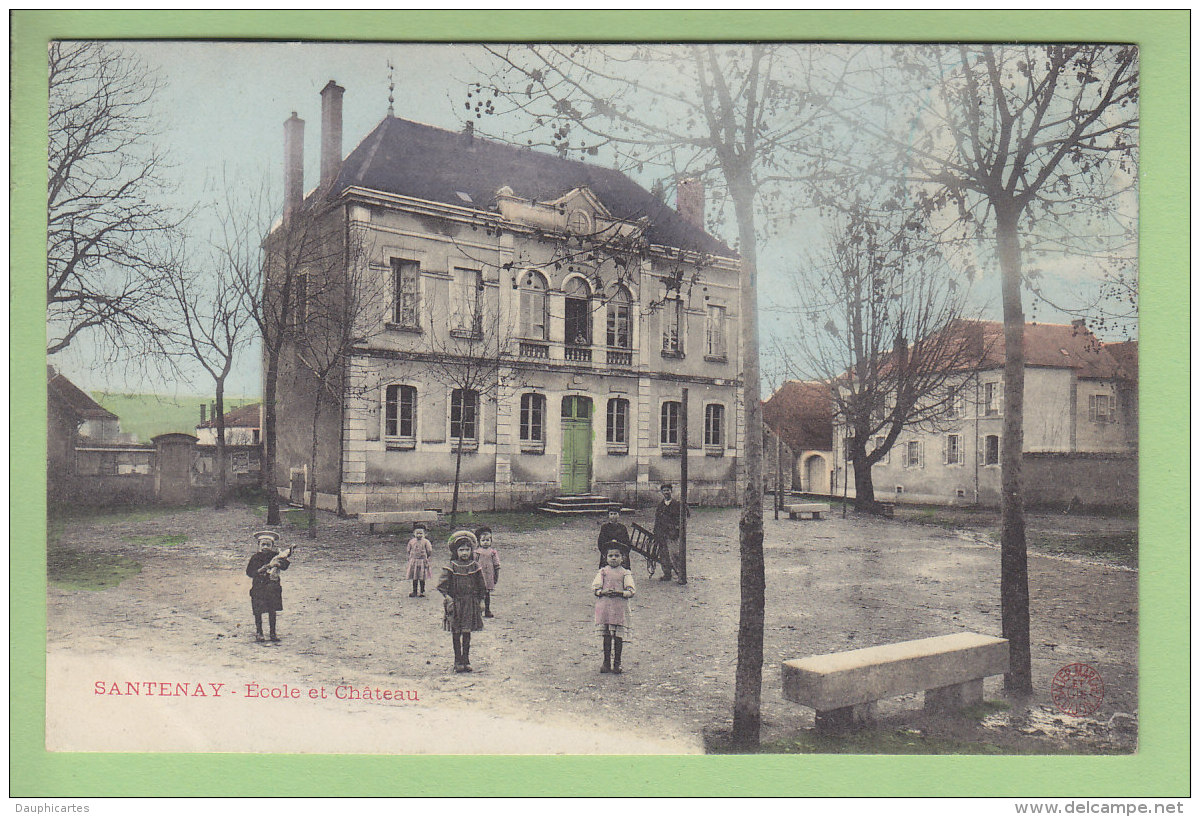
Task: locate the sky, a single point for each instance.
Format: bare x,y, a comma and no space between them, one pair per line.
222,111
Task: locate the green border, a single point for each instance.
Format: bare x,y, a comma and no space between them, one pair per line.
1159,769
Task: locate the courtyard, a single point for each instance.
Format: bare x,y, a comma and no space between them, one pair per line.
124,662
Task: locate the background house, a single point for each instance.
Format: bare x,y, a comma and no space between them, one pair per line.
801,414
243,426
1080,427
243,441
603,304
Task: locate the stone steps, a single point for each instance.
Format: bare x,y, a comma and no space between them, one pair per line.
575,505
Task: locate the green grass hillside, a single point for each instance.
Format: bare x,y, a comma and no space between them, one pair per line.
148,415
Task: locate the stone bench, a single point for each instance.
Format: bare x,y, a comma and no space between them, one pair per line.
397,518
843,687
813,509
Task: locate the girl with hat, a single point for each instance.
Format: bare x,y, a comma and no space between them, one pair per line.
462,587
266,591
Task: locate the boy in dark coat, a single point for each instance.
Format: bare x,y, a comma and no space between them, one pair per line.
612,532
266,591
667,517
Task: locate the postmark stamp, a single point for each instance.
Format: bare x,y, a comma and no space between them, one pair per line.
1077,689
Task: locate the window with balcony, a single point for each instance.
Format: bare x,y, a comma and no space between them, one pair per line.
577,335
405,293
619,335
400,416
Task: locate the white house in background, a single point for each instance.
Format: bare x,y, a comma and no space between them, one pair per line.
243,426
1080,427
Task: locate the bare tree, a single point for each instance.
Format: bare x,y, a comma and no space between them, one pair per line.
731,115
109,225
269,263
880,322
1031,149
345,303
214,329
469,354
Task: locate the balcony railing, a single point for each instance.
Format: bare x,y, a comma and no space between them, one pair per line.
535,350
578,354
620,357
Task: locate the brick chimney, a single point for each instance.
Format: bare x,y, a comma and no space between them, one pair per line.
331,132
689,200
293,164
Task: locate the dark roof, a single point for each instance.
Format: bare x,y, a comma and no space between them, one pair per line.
1053,345
59,388
246,416
423,162
801,413
1126,355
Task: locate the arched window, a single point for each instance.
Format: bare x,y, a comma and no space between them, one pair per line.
620,321
578,313
533,306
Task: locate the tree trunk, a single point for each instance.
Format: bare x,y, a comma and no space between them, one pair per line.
1014,570
747,695
270,384
222,487
864,485
457,472
683,487
312,467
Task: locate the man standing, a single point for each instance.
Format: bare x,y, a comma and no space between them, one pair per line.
666,529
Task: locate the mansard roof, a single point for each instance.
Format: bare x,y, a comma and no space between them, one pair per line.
433,164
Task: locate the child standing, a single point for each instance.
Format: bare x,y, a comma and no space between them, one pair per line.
266,591
420,551
613,532
613,588
462,588
489,562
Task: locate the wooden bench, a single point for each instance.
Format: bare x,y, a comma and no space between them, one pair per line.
843,687
813,509
397,518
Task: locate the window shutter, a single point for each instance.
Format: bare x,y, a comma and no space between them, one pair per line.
921,454
1091,408
946,450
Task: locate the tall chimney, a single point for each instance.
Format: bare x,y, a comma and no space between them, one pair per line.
331,131
689,200
203,408
293,164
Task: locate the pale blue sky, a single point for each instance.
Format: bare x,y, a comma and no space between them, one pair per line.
223,108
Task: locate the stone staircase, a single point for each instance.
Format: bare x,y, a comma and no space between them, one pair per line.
579,504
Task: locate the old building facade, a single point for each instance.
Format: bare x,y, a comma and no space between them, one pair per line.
1080,428
540,321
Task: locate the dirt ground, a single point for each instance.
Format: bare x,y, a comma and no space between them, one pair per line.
832,585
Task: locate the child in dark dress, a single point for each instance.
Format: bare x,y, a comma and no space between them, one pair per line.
266,591
461,585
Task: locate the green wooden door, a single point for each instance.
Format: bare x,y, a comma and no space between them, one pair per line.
577,445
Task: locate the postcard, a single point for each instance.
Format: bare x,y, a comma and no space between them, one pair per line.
563,388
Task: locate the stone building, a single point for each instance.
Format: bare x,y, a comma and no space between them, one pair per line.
1080,428
800,415
594,303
